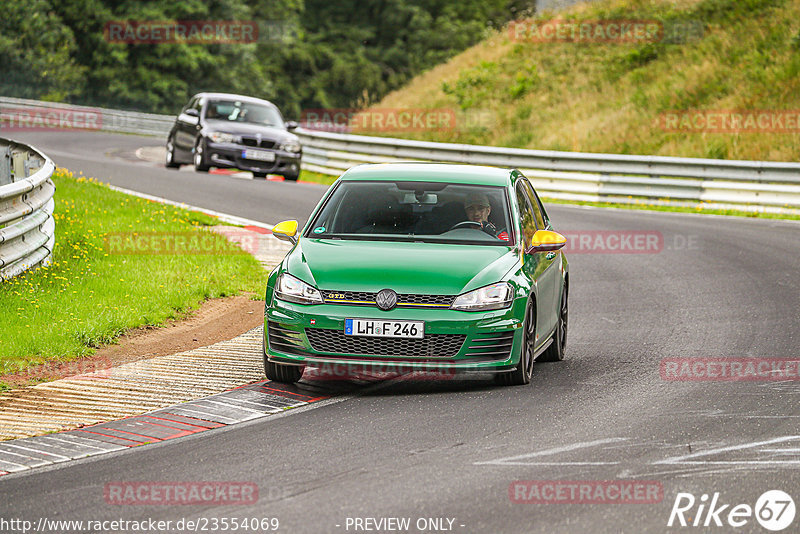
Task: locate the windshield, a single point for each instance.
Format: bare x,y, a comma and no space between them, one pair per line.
415,211
235,111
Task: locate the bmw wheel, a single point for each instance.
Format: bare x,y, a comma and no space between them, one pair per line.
199,158
170,157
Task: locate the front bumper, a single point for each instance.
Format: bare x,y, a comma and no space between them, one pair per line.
454,341
226,155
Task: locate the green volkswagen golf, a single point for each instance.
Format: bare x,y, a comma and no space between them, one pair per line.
421,267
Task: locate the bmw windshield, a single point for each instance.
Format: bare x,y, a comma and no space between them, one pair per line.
415,211
236,111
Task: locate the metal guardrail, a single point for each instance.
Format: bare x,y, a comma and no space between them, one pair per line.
766,186
103,119
27,227
747,185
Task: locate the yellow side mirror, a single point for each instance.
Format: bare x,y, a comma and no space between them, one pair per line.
544,240
286,231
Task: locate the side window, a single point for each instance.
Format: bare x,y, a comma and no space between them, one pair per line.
198,105
541,208
190,104
527,217
537,207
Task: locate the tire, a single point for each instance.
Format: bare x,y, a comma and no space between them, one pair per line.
286,374
170,157
292,177
524,372
555,352
199,157
259,174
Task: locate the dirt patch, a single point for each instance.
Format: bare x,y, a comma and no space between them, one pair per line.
216,320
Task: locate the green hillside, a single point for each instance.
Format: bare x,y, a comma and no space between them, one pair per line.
611,97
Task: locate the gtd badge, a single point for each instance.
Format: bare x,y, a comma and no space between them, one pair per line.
386,299
774,510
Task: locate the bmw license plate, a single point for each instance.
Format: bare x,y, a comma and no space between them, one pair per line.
380,328
261,155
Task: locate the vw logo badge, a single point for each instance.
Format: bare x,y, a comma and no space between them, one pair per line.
386,299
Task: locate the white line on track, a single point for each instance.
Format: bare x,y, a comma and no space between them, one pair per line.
225,217
687,459
515,460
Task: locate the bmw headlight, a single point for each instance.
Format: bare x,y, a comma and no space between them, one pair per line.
291,146
293,289
493,297
222,137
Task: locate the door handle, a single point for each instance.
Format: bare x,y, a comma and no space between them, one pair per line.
550,255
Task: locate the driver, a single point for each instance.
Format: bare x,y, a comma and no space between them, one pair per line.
478,209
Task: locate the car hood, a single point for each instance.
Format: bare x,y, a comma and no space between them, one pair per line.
243,128
428,268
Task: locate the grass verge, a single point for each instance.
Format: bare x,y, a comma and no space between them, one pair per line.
609,97
92,293
317,177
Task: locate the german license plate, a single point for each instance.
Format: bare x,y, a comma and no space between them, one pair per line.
381,328
261,155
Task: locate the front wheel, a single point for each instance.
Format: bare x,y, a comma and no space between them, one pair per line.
524,372
170,157
277,372
259,174
292,177
555,352
199,158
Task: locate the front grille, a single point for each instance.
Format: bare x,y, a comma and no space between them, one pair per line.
252,141
497,345
284,340
364,298
432,345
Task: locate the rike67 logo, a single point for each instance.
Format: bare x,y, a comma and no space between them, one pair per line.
774,510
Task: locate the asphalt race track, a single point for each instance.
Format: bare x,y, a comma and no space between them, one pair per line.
714,288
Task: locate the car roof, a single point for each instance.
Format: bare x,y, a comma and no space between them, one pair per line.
232,96
430,172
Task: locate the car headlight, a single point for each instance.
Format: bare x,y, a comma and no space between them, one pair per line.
291,146
222,137
293,289
493,297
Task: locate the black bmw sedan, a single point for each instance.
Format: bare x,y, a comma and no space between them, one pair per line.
234,131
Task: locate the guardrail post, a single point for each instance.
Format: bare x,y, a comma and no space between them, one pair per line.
18,170
5,165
